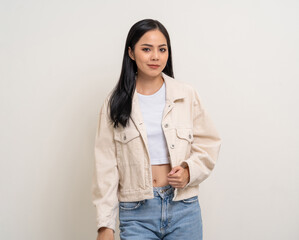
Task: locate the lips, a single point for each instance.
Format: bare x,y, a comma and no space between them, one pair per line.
153,65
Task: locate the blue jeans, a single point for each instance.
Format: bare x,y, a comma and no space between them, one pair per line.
161,218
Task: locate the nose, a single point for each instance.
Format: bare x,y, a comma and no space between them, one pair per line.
155,54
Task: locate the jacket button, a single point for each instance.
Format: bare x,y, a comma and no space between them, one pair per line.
172,146
125,137
190,136
166,125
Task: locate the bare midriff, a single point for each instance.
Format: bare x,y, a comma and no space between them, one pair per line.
159,174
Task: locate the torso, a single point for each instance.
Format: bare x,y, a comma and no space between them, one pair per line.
159,174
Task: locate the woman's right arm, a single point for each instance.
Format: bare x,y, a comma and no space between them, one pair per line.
105,178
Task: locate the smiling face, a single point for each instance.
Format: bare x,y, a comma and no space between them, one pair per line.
151,49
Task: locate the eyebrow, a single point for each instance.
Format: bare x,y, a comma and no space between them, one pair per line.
145,44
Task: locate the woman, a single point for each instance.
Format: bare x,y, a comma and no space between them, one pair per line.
154,144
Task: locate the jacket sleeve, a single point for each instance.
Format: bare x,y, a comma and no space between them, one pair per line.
105,177
205,146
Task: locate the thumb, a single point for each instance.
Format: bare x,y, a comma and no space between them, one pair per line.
173,170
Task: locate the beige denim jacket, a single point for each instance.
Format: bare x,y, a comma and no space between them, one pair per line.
122,169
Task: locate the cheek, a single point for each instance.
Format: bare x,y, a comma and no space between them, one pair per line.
141,60
165,58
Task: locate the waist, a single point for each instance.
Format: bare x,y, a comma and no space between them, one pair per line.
138,194
163,191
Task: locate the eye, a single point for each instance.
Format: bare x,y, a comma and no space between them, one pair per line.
163,49
145,49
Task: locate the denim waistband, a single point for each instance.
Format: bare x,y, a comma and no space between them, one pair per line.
163,191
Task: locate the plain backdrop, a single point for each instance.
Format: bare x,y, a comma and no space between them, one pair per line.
59,60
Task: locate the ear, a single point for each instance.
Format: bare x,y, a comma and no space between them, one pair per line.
131,54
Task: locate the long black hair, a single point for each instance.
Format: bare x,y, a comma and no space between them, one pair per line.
120,102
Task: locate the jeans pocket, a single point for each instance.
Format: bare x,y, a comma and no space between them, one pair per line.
130,205
190,200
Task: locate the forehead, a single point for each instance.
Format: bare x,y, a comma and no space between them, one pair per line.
154,37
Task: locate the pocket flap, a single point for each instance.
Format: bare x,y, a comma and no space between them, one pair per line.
126,136
185,133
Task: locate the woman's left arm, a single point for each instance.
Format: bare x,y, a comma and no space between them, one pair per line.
205,146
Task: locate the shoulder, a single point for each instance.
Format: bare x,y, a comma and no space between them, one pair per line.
189,87
184,87
104,109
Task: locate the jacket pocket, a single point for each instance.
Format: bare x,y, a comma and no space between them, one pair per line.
127,135
184,140
185,133
130,205
190,200
130,159
129,146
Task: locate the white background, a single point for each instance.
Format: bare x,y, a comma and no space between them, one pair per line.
58,61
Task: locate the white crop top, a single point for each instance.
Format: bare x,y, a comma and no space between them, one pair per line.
152,107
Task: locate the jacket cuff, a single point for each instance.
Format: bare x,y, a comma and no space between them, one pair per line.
198,172
184,164
109,223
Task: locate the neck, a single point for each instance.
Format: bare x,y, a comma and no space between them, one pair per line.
147,85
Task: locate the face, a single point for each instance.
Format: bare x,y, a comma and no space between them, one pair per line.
151,49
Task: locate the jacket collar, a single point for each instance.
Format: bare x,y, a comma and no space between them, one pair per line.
173,90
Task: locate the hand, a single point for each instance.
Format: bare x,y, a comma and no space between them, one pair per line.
105,234
178,177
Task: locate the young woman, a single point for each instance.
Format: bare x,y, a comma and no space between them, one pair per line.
155,144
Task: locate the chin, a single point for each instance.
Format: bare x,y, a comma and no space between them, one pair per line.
153,73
